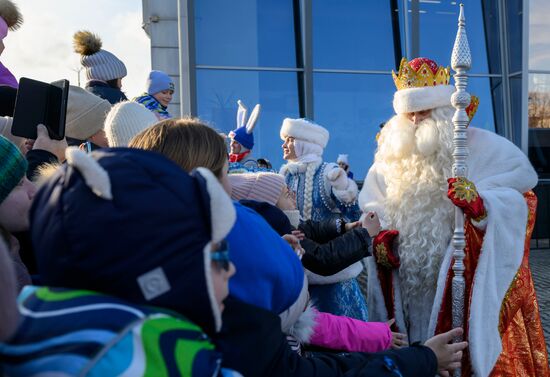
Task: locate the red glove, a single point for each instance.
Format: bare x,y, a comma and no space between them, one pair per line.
382,246
463,194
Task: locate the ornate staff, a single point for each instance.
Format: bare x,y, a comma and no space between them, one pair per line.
461,61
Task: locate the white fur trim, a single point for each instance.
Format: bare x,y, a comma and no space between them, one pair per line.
342,158
347,273
418,99
348,195
210,286
441,281
222,211
253,119
293,313
304,327
96,178
302,129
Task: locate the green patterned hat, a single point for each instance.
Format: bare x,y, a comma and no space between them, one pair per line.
13,167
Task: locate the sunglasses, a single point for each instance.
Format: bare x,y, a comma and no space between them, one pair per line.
220,257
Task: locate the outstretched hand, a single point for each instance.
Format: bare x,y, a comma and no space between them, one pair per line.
398,340
294,243
371,222
338,179
448,355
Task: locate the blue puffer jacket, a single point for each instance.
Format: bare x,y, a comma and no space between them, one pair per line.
103,90
269,274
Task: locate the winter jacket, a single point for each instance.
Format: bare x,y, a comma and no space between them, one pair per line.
252,343
105,91
83,333
349,334
327,251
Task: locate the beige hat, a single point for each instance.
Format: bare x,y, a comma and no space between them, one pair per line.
86,113
126,120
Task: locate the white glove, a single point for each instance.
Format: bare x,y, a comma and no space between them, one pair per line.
338,179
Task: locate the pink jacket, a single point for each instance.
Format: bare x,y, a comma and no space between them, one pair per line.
349,334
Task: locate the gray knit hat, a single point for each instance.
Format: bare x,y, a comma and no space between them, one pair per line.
99,64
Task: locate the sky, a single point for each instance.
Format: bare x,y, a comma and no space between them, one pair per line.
42,48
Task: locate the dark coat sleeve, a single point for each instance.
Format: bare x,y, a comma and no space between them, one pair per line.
36,158
320,231
252,343
334,256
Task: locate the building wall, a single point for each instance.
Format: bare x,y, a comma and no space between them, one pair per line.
331,60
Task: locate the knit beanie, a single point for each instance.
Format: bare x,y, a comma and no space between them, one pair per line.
86,113
12,169
159,81
126,120
99,64
262,187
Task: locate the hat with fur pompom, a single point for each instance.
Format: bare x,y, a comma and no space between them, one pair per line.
99,64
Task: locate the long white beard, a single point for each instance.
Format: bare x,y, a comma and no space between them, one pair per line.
416,162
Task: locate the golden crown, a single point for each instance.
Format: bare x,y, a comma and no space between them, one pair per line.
420,72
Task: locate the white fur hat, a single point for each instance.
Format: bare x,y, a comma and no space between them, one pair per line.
125,120
421,85
418,99
343,158
305,130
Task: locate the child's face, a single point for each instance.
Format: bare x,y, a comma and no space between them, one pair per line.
164,97
14,210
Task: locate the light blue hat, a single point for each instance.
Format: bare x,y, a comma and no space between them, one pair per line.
159,81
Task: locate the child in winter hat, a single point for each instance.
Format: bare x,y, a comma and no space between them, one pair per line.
10,19
126,120
158,95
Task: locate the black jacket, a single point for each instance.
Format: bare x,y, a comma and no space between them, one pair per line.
103,90
253,344
327,252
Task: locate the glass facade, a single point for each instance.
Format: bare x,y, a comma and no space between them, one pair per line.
539,87
331,60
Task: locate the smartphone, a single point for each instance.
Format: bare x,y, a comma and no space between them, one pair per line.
40,103
88,147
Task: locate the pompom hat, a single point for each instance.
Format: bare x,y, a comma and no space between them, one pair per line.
99,64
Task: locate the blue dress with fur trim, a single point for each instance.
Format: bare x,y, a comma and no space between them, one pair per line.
345,297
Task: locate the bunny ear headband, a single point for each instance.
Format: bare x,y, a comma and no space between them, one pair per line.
241,117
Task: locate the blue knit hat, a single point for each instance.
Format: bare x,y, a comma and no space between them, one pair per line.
244,138
132,224
159,81
12,168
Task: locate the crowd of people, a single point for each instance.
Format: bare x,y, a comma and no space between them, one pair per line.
143,244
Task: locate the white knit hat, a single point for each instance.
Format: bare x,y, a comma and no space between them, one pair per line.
302,129
125,120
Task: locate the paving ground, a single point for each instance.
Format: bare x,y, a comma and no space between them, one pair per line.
540,268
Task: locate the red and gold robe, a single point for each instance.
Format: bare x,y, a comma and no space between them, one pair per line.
502,322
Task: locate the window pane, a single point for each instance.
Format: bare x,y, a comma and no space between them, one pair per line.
354,34
249,33
539,123
352,107
514,15
219,90
488,103
438,25
539,30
